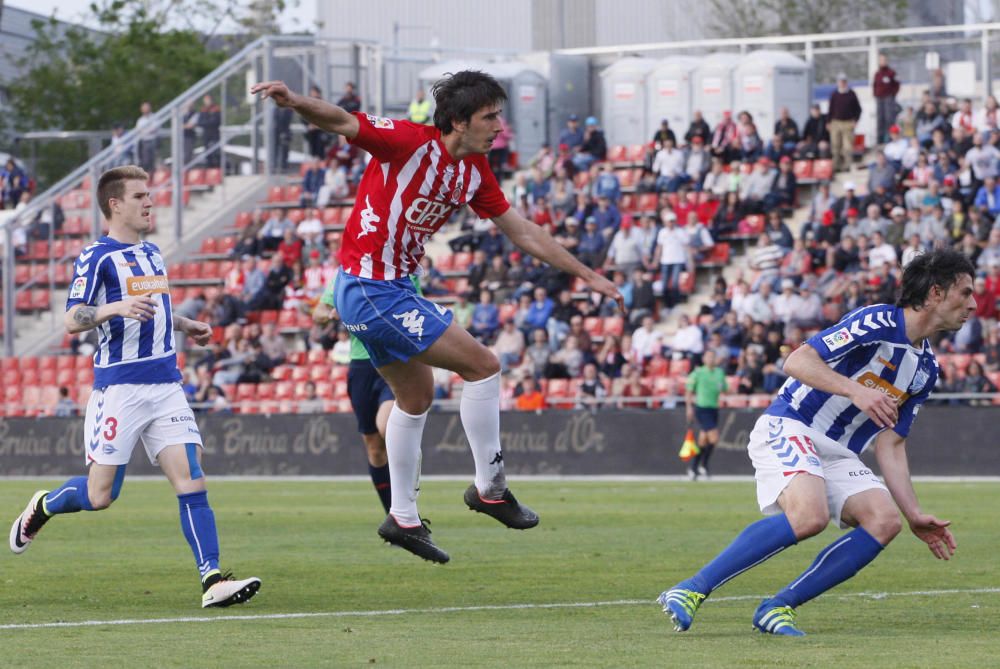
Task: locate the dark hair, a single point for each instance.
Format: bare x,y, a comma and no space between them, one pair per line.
941,268
458,96
112,185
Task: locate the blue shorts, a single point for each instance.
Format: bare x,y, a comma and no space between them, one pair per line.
388,317
367,390
707,417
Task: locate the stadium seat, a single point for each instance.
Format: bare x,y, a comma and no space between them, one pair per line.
209,246
340,389
41,300
324,389
65,377
593,325
213,176
160,176
281,373
648,203
462,261
300,373
718,256
338,373
626,178
319,372
752,224
581,180
445,262
226,244
163,198
275,194
618,153
734,401
243,219
803,169
656,366
332,216
292,193
246,392
295,215
760,401
283,389
614,326
11,378
195,177
822,169
74,225
637,153
663,386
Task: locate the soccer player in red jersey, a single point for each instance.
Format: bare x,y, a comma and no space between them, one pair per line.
417,177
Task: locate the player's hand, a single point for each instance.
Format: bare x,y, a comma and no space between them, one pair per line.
276,90
139,307
322,313
199,331
935,533
876,405
608,289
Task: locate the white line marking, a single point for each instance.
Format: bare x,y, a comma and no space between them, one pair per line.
541,478
460,609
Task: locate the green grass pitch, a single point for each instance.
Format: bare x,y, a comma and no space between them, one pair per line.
604,549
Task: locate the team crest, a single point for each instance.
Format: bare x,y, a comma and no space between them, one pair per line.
919,380
456,195
380,122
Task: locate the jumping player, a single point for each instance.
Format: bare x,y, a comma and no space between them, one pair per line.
861,381
120,288
371,398
417,177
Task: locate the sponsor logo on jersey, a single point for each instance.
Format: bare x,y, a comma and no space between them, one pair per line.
413,321
380,122
887,363
127,264
838,339
870,380
147,285
860,472
355,327
426,215
79,288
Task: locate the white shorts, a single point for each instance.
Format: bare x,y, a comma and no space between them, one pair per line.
780,448
119,415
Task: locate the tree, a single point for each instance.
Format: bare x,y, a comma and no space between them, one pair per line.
759,18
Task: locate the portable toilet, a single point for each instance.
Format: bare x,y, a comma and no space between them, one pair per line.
527,105
765,81
568,78
623,101
669,94
713,86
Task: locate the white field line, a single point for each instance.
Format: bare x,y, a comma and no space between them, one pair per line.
598,478
460,609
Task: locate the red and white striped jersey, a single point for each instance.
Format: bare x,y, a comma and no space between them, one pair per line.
410,188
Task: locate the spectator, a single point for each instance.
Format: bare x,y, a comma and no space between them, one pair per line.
782,193
536,356
272,294
975,381
65,406
146,131
881,253
698,128
896,148
530,398
626,252
672,254
273,231
607,216
310,402
290,247
634,387
594,146
750,143
485,317
873,222
988,197
689,341
697,163
983,159
765,259
189,123
210,122
885,86
815,135
663,133
571,135
282,137
591,390
509,346
778,231
928,119
419,110
500,150
312,182
724,136
13,184
567,362
643,297
845,110
607,185
590,250
121,154
786,130
462,310
349,101
757,185
646,340
316,139
881,173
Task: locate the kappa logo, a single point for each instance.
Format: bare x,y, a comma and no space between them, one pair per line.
413,321
368,219
441,310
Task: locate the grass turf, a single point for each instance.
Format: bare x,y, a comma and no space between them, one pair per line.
314,545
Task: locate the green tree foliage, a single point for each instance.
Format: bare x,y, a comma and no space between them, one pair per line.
759,18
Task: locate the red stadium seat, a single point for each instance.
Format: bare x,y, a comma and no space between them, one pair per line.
618,153
462,261
637,153
275,194
295,215
209,246
803,169
195,177
213,176
292,193
338,373
614,326
593,325
656,366
648,203
332,216
823,169
243,219
161,176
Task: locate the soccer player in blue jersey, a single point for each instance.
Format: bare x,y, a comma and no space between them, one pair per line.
120,288
859,382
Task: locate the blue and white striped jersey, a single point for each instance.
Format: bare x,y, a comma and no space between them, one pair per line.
869,346
129,351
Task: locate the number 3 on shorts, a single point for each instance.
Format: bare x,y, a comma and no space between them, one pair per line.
111,424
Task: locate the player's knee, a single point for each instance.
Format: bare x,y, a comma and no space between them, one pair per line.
100,499
809,522
884,526
484,366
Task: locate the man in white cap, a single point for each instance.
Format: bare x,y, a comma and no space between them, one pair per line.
672,253
844,112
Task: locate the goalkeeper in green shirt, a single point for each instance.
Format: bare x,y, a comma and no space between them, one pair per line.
704,385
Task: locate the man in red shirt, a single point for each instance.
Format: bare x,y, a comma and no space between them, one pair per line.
417,177
885,86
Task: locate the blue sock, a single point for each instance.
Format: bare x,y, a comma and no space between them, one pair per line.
380,479
198,524
836,563
70,497
756,543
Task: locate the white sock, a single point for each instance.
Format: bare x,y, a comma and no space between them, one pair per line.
480,412
403,433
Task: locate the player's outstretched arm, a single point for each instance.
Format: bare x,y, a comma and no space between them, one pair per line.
83,317
320,113
806,365
534,240
890,451
199,331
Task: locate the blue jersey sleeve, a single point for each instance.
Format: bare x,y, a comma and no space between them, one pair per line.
863,326
86,277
